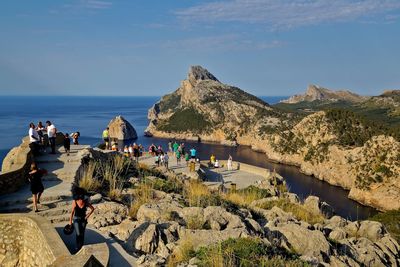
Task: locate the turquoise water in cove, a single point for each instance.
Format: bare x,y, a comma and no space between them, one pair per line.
90,115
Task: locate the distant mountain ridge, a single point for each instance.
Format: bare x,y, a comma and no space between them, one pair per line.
317,93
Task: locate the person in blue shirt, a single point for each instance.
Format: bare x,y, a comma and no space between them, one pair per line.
193,153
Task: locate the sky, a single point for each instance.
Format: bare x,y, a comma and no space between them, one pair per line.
265,47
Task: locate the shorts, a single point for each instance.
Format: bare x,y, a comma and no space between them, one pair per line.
106,139
192,157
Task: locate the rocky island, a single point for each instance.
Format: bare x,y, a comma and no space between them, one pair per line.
335,145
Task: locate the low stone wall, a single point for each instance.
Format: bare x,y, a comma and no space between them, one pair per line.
30,240
236,165
15,168
16,165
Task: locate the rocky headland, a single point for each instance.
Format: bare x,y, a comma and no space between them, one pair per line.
336,146
318,93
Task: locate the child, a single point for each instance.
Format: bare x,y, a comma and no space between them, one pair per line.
67,143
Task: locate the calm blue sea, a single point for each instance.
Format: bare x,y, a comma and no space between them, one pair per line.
88,115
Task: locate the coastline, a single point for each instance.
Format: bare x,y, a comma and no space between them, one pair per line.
243,141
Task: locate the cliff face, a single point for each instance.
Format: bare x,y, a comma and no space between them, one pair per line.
334,146
317,93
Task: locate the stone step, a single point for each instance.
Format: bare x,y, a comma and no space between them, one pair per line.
44,200
59,218
54,212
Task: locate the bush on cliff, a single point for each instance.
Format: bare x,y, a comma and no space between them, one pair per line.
188,119
390,220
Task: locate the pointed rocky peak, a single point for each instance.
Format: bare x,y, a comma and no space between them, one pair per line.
198,73
315,91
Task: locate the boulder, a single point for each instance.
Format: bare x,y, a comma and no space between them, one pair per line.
146,239
160,211
314,204
121,129
338,234
108,213
219,219
303,241
371,230
367,253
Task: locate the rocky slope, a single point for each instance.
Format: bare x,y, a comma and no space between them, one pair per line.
389,99
315,92
334,146
170,229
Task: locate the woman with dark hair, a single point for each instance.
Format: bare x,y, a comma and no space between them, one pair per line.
37,188
79,216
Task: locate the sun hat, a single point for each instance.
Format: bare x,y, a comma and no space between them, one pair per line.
68,229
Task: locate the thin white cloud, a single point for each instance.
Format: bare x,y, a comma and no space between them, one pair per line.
286,14
228,42
96,4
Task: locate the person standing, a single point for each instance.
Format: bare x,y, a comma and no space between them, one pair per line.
40,128
178,157
170,146
175,147
75,138
51,133
37,188
78,216
166,158
229,163
106,137
67,144
33,139
193,153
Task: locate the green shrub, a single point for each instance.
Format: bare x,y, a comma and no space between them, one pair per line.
187,119
245,252
166,185
390,220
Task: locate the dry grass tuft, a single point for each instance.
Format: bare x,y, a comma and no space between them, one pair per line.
182,253
298,210
88,181
113,171
142,195
196,192
195,222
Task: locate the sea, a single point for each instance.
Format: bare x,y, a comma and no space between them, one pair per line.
90,115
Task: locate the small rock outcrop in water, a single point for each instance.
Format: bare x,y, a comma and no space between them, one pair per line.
121,129
315,92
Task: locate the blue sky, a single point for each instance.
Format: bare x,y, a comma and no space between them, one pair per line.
266,47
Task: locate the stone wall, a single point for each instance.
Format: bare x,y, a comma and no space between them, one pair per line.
23,243
16,165
15,168
30,240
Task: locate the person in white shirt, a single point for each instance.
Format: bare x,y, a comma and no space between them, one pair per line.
33,139
229,163
216,164
51,133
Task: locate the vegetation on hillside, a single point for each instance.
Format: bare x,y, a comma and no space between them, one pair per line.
245,252
187,119
391,221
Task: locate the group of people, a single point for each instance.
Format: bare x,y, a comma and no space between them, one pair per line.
179,151
36,137
37,141
133,150
214,162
